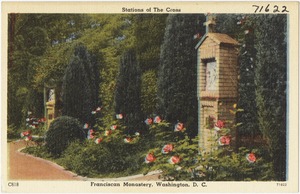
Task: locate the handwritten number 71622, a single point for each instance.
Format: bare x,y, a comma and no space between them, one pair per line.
276,9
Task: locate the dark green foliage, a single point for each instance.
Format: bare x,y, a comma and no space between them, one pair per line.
148,31
241,27
247,66
13,132
221,164
262,83
29,38
127,95
271,86
99,160
61,133
177,79
80,87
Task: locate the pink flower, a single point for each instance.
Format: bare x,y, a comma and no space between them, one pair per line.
174,160
26,133
149,121
98,140
91,134
150,158
157,119
28,138
167,148
119,116
178,127
224,140
86,126
98,109
251,157
42,120
219,125
108,132
113,127
127,139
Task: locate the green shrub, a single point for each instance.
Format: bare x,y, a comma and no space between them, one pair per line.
113,156
61,133
38,151
12,132
221,163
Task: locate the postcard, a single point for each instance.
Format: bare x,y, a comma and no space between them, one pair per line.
197,96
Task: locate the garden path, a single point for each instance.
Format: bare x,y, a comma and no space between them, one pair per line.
27,167
22,166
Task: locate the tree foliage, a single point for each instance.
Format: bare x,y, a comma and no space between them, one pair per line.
148,31
63,131
177,86
80,86
271,86
127,96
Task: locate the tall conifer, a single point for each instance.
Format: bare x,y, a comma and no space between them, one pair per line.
177,79
127,95
271,86
79,85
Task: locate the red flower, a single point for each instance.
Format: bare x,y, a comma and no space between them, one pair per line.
42,120
149,121
167,148
174,160
86,126
28,138
251,157
150,158
119,116
219,125
157,119
26,133
127,139
91,134
113,127
98,140
108,132
178,127
224,140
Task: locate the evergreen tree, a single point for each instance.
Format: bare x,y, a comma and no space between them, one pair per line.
79,81
177,85
127,95
148,30
271,86
241,28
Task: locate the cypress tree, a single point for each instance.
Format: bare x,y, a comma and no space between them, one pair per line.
177,85
241,27
127,94
271,86
79,88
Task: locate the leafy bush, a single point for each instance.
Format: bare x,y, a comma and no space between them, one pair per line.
61,133
93,160
38,151
179,157
12,132
113,155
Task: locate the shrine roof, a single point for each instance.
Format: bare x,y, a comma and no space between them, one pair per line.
218,38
